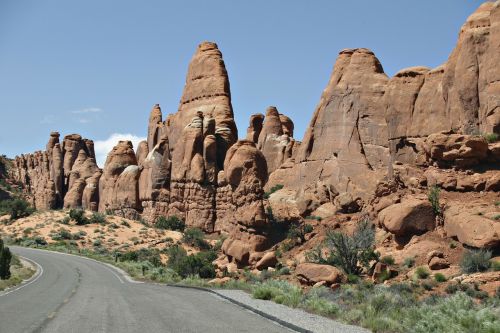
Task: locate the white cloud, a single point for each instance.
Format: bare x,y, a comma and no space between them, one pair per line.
103,147
87,110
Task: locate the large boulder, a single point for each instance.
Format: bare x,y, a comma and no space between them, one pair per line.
311,273
411,216
463,222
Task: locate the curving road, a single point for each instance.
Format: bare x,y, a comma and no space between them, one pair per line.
75,294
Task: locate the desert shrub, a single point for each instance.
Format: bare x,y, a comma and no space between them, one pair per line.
5,261
348,252
281,292
491,137
475,261
452,288
16,208
409,262
78,215
428,285
199,264
496,217
273,189
316,301
97,218
314,217
125,224
170,223
62,234
495,265
389,260
195,237
65,220
143,255
433,197
97,243
439,277
79,235
352,278
299,231
422,272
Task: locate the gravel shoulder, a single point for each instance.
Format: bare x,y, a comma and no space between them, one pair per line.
306,322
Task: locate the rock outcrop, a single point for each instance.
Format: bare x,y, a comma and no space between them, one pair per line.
374,145
56,177
461,96
345,145
275,138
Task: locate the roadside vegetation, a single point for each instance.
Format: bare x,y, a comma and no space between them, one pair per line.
12,272
399,307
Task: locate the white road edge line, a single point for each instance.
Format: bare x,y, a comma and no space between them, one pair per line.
33,279
110,267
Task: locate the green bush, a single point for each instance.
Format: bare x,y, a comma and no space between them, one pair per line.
388,260
475,261
97,218
299,231
62,234
5,260
409,262
170,223
439,277
491,137
422,272
273,189
281,292
16,208
199,264
495,265
348,252
433,197
65,220
195,237
78,215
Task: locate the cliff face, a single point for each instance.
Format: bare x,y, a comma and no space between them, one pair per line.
367,129
365,121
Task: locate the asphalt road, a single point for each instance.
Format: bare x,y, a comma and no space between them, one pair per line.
75,294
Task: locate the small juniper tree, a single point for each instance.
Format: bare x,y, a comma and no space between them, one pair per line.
5,258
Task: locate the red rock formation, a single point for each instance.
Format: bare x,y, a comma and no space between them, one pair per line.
56,177
345,145
207,91
245,173
275,139
461,96
117,161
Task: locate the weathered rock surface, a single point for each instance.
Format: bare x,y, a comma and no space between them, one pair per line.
57,176
313,273
245,174
461,96
118,160
411,216
345,145
275,139
471,228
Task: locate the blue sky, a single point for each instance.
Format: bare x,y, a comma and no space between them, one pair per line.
97,67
